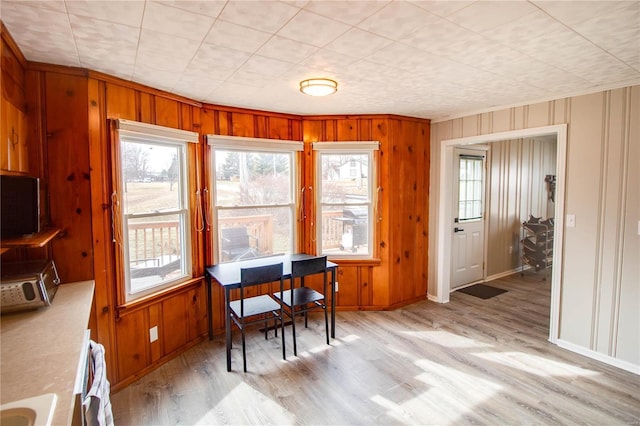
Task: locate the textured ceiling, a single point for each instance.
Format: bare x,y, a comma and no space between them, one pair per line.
432,59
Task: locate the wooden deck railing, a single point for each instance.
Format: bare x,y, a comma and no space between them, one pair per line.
331,230
153,240
260,226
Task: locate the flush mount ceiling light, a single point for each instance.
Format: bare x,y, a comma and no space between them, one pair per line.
318,86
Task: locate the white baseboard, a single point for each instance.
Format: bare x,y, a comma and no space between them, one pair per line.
624,365
491,278
433,298
507,273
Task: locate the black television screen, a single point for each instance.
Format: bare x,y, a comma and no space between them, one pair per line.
20,205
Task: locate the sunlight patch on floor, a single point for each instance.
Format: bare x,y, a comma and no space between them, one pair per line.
349,338
315,350
394,410
251,406
446,393
534,364
453,391
449,340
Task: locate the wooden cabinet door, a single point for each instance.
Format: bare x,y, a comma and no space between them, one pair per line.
13,142
5,144
12,136
22,164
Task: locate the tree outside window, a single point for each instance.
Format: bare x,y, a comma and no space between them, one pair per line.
254,201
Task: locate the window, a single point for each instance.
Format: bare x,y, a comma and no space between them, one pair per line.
254,196
345,200
155,225
470,187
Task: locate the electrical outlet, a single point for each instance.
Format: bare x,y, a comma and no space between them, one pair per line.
336,286
510,249
571,221
153,334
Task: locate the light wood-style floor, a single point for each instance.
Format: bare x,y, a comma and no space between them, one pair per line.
470,361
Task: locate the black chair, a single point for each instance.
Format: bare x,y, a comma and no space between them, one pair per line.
245,311
237,244
304,298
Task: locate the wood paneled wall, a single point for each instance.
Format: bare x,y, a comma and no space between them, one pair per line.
398,275
70,118
180,316
68,174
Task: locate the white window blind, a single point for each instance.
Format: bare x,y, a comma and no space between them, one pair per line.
135,130
251,144
347,146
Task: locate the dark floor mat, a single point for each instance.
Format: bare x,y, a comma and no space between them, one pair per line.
482,291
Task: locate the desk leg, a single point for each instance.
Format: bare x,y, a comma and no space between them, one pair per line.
333,303
227,325
209,308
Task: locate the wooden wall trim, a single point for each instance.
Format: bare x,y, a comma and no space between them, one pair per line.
44,67
100,171
77,71
58,69
137,86
391,307
257,112
159,297
11,43
358,262
366,117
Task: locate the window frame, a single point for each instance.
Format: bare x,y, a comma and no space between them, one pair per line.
127,131
260,146
478,159
347,148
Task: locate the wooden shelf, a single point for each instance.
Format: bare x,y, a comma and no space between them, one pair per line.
32,241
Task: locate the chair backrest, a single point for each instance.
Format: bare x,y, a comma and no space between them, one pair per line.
316,265
260,274
234,238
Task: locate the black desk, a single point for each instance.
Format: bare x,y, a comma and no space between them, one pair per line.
228,276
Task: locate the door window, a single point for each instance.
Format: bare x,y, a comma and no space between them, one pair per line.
470,187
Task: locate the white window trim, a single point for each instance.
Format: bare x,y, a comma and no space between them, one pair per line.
239,143
333,147
136,132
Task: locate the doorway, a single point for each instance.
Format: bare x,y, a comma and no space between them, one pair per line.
445,211
467,247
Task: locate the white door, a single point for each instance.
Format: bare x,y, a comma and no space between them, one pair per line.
467,225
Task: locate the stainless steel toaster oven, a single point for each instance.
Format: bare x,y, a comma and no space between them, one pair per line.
27,285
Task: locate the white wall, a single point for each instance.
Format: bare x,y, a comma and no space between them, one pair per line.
600,289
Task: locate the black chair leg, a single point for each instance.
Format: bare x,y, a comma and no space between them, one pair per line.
284,353
326,324
275,326
293,330
244,353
